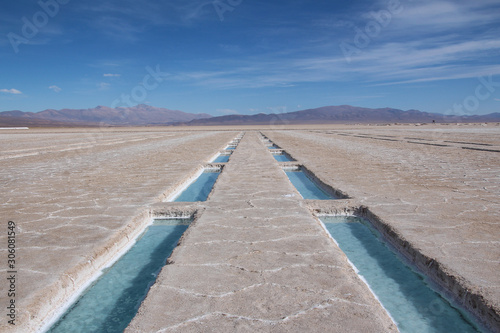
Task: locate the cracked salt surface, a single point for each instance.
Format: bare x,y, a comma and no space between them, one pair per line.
110,178
257,261
444,197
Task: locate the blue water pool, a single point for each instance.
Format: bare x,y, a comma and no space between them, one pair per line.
230,148
113,300
200,188
282,158
404,293
306,186
273,146
221,159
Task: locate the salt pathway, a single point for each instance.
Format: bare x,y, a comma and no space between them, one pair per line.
257,260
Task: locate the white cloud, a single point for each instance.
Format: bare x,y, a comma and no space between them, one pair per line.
111,75
55,89
11,91
427,41
157,13
426,60
103,85
403,62
438,15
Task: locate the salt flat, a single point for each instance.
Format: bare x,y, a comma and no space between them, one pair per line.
437,186
257,261
78,196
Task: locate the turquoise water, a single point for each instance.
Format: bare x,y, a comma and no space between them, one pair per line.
306,187
273,147
113,300
404,293
282,158
230,148
200,188
221,159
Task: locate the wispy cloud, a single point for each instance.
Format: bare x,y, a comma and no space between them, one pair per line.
111,75
120,28
428,60
388,60
441,15
380,66
127,19
103,85
55,89
111,65
233,48
11,91
426,41
40,34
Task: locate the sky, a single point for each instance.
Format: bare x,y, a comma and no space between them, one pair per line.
246,57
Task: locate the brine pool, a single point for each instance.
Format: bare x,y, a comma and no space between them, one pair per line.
405,294
112,301
282,158
221,159
306,186
200,188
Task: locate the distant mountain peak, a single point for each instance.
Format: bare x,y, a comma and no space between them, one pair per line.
138,115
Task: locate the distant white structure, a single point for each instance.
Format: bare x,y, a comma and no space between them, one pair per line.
15,128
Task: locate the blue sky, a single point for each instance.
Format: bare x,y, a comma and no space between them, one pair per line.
242,56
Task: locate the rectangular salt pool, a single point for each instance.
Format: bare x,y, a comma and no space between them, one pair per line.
200,188
221,159
282,157
112,301
306,186
404,293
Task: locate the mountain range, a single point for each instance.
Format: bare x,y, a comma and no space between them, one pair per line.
145,115
343,114
139,115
